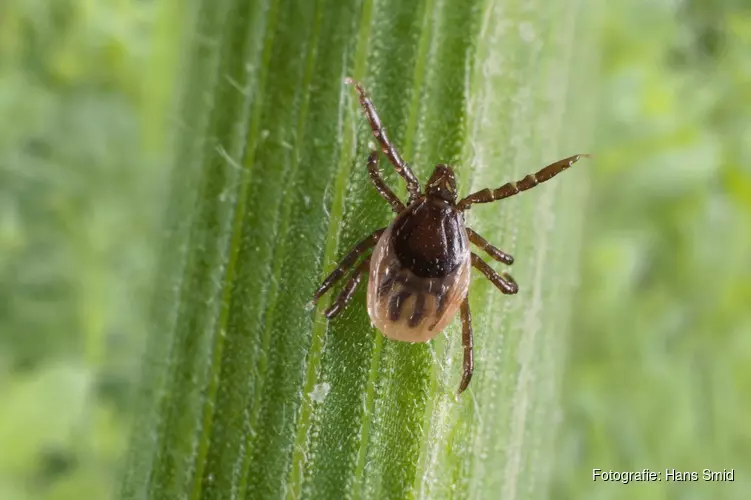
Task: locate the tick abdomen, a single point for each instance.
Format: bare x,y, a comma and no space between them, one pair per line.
414,289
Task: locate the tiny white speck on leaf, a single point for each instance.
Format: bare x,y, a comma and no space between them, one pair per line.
319,392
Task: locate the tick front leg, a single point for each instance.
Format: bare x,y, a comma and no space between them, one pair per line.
347,263
349,290
385,191
512,188
504,282
379,132
494,252
468,344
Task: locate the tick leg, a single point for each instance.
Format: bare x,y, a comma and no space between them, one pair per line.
347,263
504,282
512,188
494,252
379,132
349,290
468,344
381,187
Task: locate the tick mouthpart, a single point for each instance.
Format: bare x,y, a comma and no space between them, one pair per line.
442,184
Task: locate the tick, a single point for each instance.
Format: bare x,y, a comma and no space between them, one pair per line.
420,264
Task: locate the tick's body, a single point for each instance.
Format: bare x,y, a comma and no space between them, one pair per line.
419,270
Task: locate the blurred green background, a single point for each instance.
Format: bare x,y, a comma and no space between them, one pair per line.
658,374
659,369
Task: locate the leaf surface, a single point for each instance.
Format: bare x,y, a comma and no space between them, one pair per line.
249,393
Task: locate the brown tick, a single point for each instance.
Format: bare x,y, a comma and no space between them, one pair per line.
419,269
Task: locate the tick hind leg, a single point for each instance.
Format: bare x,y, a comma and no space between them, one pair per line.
347,263
379,132
385,191
349,290
504,282
468,344
495,253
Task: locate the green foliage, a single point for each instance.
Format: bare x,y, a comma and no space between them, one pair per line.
659,368
75,250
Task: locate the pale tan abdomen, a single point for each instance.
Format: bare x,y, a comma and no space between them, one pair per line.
407,307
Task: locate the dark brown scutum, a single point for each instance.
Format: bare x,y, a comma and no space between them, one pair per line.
429,238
